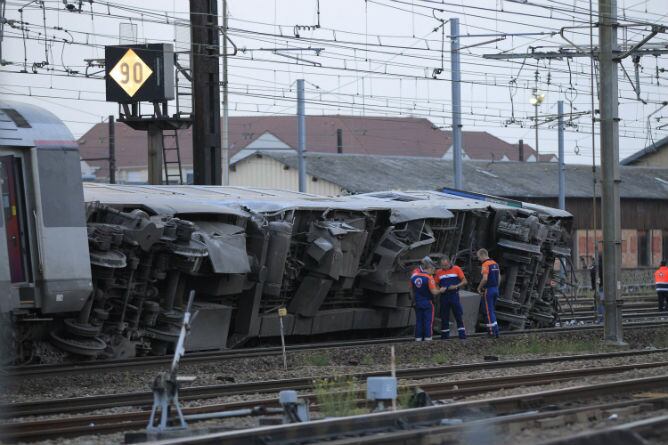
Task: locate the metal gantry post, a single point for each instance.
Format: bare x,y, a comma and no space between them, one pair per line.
301,133
562,166
226,123
205,52
112,150
611,218
155,153
456,103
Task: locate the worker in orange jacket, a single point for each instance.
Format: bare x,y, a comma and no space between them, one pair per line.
661,280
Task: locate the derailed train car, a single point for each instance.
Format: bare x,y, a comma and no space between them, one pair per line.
338,265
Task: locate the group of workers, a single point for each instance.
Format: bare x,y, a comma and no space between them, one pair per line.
429,282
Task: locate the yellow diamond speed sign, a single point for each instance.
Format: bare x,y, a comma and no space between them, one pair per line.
130,72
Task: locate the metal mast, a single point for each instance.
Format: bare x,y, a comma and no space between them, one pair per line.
206,91
562,167
456,102
301,134
611,219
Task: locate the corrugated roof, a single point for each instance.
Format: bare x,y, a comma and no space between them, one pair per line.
394,136
363,174
659,145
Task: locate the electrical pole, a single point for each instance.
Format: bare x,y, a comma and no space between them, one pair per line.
537,151
301,134
610,206
456,103
226,126
562,167
112,150
205,44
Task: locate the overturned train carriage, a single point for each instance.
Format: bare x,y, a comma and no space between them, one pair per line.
103,271
336,264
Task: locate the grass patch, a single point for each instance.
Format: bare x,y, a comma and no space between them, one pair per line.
535,345
337,397
367,360
317,360
439,358
404,395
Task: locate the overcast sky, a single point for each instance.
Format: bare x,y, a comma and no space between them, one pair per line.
374,57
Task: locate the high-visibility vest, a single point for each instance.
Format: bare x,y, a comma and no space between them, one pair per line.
661,278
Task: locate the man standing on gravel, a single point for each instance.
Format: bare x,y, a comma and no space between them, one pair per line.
451,277
661,281
423,290
489,290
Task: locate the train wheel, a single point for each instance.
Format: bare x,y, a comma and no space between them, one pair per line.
81,329
87,347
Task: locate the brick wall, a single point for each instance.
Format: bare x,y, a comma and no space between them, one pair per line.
585,246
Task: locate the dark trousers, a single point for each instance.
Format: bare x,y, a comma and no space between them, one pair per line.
424,322
488,303
663,299
451,303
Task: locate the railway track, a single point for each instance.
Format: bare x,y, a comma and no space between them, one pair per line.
15,372
653,428
96,424
589,316
488,430
91,403
409,426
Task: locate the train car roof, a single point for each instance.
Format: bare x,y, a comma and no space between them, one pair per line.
26,125
403,205
179,199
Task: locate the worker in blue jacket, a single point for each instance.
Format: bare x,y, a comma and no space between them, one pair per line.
423,290
451,277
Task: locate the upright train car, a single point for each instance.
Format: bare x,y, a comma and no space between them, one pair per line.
41,222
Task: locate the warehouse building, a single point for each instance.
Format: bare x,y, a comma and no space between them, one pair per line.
654,155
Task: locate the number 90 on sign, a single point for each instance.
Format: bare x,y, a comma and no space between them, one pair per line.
130,72
137,72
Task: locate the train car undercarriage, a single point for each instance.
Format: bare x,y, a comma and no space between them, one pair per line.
337,265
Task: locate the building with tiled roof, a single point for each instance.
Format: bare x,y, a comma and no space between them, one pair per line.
405,136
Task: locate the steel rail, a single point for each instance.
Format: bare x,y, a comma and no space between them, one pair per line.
100,424
624,433
363,425
91,403
502,424
205,357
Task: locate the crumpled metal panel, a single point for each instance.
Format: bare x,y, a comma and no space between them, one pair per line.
227,246
404,214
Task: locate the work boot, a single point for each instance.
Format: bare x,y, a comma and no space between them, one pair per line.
445,335
462,333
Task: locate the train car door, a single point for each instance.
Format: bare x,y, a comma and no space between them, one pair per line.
13,213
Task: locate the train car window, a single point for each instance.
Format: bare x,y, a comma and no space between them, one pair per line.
61,188
17,117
